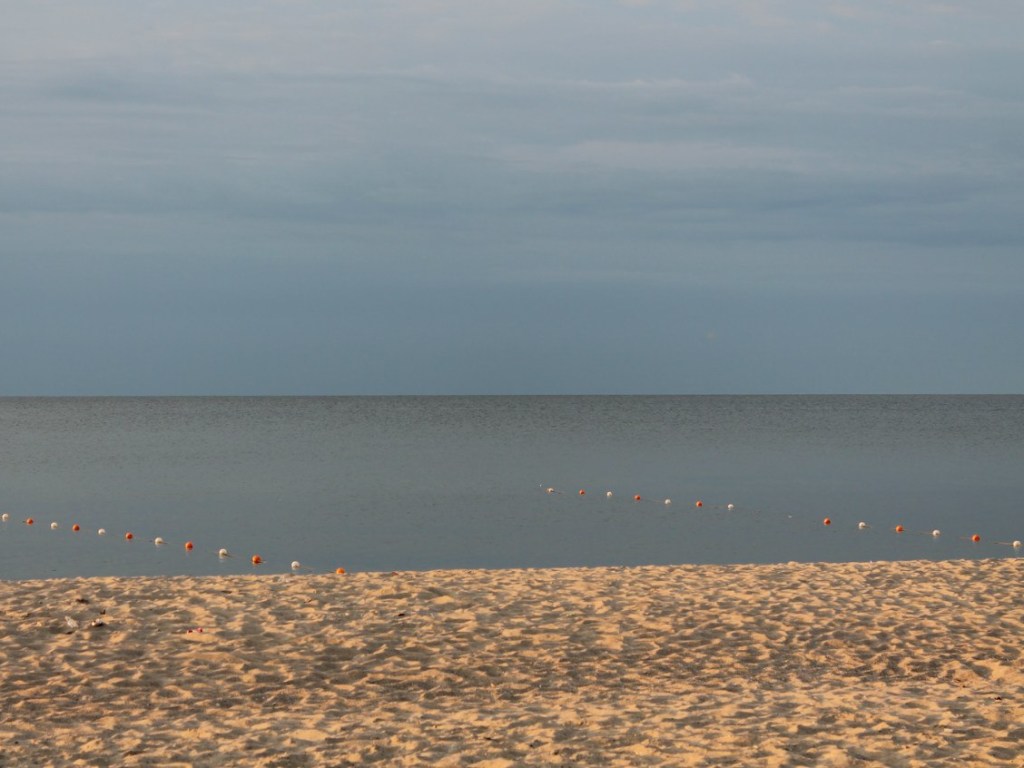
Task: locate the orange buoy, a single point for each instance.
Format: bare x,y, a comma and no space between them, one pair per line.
29,521
975,538
899,529
342,570
129,536
189,546
699,503
76,527
256,559
637,497
582,492
827,521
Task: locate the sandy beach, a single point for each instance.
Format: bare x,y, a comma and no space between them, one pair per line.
895,664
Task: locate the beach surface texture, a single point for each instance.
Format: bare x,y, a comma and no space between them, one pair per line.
894,664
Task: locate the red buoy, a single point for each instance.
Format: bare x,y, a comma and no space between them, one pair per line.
699,503
827,521
582,492
975,538
637,497
256,559
189,546
899,529
76,527
129,536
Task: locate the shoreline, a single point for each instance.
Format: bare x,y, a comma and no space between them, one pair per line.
899,663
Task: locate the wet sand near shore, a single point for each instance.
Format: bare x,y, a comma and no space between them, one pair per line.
896,663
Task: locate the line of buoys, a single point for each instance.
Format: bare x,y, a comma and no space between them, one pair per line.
159,541
975,538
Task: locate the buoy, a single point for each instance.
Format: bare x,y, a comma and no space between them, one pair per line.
730,506
862,525
936,533
29,521
256,559
296,565
159,541
54,526
899,529
5,517
339,570
1016,544
189,546
636,497
609,494
975,538
549,490
101,532
699,503
668,502
582,492
129,536
223,553
827,521
76,527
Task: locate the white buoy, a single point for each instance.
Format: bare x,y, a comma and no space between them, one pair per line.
102,531
158,541
296,565
936,533
54,526
223,553
609,494
1016,544
5,517
549,490
668,502
862,525
730,507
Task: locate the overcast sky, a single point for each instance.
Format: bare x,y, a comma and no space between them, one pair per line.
464,196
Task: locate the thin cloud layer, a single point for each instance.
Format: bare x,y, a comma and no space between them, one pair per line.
291,186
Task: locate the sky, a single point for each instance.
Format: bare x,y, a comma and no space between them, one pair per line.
477,197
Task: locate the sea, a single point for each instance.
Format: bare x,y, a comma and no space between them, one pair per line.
418,483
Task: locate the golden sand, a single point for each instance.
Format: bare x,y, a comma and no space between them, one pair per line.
894,664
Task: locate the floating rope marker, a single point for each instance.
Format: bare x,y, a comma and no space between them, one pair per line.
730,507
76,527
296,565
668,502
101,532
129,536
827,521
975,538
637,497
898,529
54,526
29,521
699,503
609,494
158,541
340,571
223,553
189,546
582,492
256,560
1016,544
5,517
549,490
936,533
862,525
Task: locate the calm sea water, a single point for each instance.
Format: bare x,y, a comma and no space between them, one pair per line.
389,483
